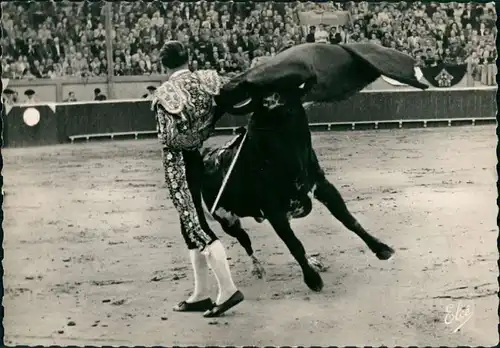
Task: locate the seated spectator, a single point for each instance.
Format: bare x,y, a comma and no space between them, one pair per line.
321,35
71,97
37,70
374,39
9,96
68,39
31,99
98,95
149,94
310,37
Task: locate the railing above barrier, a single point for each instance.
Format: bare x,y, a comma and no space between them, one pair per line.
313,126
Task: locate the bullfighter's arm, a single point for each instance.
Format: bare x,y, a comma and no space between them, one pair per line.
165,125
169,135
168,106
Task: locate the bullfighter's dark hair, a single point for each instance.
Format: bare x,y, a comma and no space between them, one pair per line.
174,55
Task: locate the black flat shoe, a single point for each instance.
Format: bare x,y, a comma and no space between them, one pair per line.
198,306
218,310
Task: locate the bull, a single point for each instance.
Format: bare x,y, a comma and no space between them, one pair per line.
277,172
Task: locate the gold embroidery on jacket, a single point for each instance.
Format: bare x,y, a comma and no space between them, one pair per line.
184,108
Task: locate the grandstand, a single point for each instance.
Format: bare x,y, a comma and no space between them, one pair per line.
53,40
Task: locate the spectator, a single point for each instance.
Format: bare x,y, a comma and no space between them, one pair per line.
79,64
30,94
13,50
310,37
321,35
56,51
374,39
149,95
9,96
98,95
194,66
31,49
141,68
117,69
37,70
334,36
68,39
71,97
155,69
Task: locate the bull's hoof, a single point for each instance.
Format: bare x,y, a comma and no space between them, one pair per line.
313,280
316,264
385,252
258,271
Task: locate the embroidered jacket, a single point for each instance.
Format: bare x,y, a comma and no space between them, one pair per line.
185,108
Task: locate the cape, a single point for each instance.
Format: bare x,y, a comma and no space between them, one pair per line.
326,72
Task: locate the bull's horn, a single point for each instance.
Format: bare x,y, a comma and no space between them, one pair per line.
243,103
302,85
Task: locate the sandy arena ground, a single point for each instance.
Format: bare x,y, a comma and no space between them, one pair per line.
94,256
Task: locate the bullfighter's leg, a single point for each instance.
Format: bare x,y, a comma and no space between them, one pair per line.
200,272
228,295
183,177
282,227
327,194
234,229
195,237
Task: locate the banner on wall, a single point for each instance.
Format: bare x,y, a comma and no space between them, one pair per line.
31,125
444,75
50,105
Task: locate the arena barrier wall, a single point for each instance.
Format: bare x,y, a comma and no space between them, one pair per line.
64,122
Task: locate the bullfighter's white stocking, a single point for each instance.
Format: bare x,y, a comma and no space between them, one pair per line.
217,259
200,270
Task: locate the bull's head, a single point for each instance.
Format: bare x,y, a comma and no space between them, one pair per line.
268,102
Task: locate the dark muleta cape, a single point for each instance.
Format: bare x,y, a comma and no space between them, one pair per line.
328,72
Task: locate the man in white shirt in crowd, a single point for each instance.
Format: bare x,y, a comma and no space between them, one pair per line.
321,35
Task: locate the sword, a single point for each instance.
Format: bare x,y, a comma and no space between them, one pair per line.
228,174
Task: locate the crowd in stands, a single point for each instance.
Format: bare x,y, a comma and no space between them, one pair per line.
433,33
59,39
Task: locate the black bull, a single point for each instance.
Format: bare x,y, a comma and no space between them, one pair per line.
275,173
277,169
